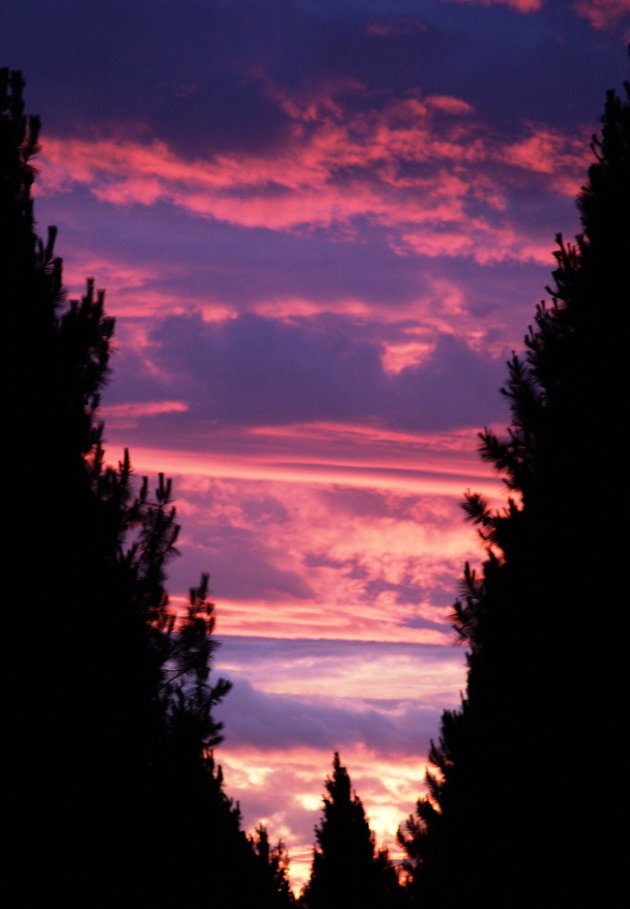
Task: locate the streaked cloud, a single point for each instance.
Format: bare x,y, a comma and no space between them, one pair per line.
356,542
425,675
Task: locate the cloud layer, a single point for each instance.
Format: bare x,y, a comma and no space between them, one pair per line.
323,227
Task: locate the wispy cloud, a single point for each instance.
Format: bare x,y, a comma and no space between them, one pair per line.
340,550
604,14
423,166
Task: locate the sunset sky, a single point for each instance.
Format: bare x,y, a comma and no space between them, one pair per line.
322,227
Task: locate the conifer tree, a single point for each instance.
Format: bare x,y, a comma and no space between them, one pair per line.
512,817
111,744
347,869
273,869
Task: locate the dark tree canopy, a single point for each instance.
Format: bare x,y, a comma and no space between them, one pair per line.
118,801
514,815
347,869
274,889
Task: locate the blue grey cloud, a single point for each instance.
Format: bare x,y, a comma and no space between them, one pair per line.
275,721
257,371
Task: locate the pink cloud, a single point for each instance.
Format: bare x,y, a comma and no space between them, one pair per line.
399,165
304,469
602,14
127,415
449,105
547,152
318,621
522,6
479,241
400,355
340,547
130,288
395,28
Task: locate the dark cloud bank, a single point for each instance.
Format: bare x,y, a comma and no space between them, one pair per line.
199,75
384,725
275,721
254,371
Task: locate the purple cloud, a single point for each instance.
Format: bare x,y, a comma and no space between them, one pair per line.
242,568
256,371
274,721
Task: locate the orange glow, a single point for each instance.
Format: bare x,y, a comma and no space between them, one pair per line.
388,790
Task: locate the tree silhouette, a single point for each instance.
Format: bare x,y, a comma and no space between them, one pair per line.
274,889
509,819
117,797
347,870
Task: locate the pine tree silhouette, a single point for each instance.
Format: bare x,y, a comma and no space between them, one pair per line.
509,820
117,799
347,869
274,889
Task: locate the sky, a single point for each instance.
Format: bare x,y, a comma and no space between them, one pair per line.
322,227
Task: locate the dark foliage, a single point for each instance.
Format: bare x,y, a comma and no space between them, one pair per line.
118,801
512,817
274,889
347,869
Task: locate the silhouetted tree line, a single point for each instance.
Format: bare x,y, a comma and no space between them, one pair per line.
115,796
525,803
116,799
